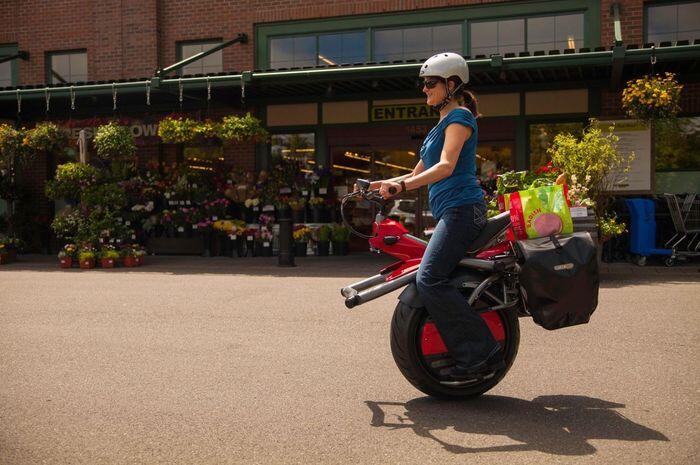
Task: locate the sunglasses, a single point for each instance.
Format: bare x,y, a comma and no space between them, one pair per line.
429,83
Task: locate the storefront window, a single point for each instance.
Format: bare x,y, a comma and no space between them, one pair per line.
290,52
543,33
669,23
347,47
497,37
209,64
678,144
542,136
68,67
295,147
417,42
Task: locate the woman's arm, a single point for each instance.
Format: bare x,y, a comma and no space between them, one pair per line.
455,137
419,168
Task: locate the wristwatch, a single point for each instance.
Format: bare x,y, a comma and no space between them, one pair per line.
403,186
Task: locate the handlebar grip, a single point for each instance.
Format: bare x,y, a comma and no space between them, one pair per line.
392,190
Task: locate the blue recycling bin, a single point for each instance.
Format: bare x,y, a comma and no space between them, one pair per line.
643,229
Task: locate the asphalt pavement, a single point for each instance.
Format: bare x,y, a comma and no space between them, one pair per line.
230,361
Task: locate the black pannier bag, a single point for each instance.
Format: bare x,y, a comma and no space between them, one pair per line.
559,279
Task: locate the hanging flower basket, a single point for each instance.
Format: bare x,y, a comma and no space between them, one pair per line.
652,97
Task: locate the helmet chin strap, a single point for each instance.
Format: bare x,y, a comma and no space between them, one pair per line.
448,97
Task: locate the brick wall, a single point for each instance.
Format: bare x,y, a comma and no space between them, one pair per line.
632,13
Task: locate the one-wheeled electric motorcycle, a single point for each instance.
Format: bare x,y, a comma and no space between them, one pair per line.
486,276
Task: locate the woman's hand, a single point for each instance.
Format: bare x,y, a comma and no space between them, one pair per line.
385,189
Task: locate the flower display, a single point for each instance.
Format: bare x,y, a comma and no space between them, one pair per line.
652,97
68,251
114,142
301,233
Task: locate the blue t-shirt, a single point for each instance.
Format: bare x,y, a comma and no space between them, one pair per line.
461,187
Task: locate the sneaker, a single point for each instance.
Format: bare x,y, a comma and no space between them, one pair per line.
482,370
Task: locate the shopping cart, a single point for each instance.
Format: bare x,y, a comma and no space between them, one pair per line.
685,243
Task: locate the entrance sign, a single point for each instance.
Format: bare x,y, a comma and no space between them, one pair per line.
403,112
635,137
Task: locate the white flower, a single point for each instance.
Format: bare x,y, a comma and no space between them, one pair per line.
149,206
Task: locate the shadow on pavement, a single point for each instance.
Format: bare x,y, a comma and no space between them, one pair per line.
557,425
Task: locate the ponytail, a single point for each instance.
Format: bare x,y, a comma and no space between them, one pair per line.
465,97
471,102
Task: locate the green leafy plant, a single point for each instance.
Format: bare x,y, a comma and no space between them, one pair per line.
108,252
11,147
652,97
68,251
114,142
241,128
340,233
69,223
86,252
70,180
323,233
593,161
104,196
177,130
45,137
10,243
610,226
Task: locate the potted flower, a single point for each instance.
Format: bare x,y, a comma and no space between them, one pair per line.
108,256
252,207
177,130
86,257
240,129
8,249
71,180
317,208
45,137
298,207
652,97
301,235
133,255
114,142
263,242
323,237
341,237
66,255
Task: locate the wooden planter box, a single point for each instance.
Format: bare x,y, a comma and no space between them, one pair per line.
65,262
130,262
107,262
87,264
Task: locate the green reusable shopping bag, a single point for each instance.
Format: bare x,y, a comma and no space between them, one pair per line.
540,212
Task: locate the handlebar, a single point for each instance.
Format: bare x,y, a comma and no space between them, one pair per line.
365,193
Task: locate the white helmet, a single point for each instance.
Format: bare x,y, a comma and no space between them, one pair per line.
446,65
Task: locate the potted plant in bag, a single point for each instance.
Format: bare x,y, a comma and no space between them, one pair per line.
341,237
323,237
298,207
66,255
317,205
86,257
301,236
108,256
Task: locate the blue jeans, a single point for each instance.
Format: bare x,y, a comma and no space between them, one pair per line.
464,332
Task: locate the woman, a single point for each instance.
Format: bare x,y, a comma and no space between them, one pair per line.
448,166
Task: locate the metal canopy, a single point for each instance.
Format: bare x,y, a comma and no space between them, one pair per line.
590,68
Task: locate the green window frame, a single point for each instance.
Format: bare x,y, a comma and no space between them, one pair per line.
317,40
429,17
49,66
655,4
11,67
199,63
526,46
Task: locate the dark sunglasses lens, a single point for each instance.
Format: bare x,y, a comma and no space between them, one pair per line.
429,83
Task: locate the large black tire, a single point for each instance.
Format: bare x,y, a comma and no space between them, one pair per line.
405,343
